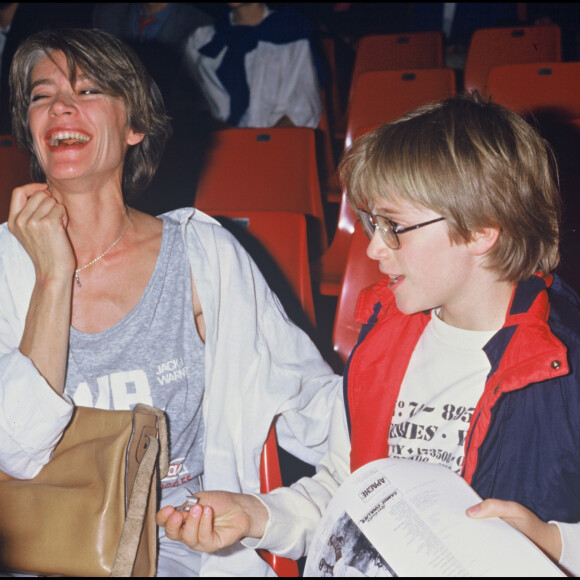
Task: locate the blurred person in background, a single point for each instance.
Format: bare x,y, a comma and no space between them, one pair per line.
256,67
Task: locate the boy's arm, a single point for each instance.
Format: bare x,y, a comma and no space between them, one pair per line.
295,511
282,521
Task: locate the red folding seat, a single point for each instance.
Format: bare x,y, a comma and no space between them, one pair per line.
276,239
271,169
398,52
360,272
491,47
534,87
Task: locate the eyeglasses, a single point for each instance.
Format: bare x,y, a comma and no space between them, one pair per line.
389,230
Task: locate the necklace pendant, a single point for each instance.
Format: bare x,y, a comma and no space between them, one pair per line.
130,216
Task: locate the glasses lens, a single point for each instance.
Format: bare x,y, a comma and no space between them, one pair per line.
367,221
387,233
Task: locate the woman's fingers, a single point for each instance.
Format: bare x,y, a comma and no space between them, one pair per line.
191,526
39,221
205,526
20,198
182,526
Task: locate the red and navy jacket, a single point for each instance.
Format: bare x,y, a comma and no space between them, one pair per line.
523,442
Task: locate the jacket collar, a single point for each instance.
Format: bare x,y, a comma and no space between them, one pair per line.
525,350
525,329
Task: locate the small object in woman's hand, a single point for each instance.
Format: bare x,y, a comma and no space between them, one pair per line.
185,507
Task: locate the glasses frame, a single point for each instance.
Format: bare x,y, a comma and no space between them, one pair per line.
365,217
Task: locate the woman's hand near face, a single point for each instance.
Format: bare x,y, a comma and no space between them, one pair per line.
39,223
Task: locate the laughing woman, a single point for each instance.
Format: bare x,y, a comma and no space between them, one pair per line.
105,306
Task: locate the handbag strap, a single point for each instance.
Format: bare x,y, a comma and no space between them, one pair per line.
133,526
163,436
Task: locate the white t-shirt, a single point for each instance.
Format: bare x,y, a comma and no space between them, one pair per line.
444,380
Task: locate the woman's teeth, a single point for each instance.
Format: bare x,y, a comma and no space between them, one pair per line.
72,137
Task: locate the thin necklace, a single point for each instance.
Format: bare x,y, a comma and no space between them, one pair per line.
130,214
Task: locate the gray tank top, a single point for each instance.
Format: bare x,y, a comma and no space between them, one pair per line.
155,356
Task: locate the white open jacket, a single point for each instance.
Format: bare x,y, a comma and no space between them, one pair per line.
258,365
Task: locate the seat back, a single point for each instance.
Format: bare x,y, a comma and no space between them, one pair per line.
552,87
398,52
264,170
382,96
331,264
359,273
277,241
491,47
14,171
549,95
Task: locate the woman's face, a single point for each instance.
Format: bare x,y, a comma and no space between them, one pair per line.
79,133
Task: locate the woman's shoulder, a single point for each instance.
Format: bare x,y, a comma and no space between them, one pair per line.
201,225
190,215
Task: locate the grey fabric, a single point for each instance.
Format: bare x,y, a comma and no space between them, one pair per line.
154,356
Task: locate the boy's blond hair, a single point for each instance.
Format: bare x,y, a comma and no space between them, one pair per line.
477,164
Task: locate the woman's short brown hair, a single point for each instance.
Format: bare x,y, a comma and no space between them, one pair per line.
477,164
117,70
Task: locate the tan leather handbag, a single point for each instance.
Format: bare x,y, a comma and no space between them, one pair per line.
91,509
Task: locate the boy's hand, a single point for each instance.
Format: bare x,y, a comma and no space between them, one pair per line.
545,536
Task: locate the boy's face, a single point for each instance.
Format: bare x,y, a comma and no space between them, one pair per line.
427,271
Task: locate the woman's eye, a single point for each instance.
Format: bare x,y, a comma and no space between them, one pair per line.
37,97
90,91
